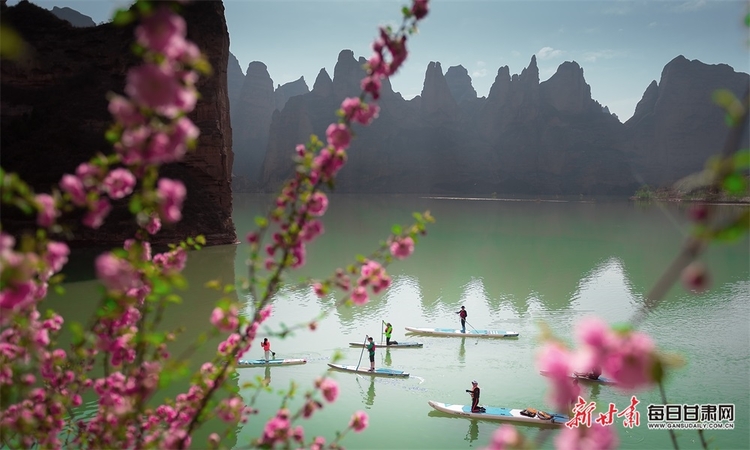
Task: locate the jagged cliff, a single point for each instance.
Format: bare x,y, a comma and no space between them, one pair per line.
53,114
526,137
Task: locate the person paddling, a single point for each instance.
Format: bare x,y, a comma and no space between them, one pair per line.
371,351
266,344
462,314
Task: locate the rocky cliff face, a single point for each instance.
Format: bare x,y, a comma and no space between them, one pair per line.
73,17
288,90
54,114
255,106
526,137
676,125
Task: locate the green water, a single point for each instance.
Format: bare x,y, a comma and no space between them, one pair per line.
512,264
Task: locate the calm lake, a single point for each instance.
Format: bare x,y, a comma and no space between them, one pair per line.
513,265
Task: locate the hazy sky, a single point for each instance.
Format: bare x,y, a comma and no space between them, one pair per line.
621,45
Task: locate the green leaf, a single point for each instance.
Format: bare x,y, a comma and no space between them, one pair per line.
418,216
396,229
657,371
622,328
742,159
123,17
200,239
136,204
735,183
161,287
261,221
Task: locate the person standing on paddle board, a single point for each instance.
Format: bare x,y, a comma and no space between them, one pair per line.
462,314
371,351
266,344
388,333
474,391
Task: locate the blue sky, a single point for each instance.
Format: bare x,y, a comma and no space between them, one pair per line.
621,45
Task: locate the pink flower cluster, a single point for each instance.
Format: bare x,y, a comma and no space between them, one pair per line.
371,274
628,357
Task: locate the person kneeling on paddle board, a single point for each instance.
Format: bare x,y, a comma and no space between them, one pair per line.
371,351
475,408
388,333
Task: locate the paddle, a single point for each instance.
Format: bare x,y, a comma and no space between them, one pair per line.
472,326
364,344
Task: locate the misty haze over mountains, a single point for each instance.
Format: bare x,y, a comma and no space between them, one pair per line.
525,137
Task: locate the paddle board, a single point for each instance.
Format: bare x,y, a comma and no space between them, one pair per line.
410,344
364,370
270,362
600,380
458,332
495,413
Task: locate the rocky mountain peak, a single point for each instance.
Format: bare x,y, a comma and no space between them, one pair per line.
288,90
347,75
437,101
459,83
323,86
567,90
73,17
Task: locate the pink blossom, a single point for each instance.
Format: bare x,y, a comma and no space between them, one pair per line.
157,87
338,136
597,437
97,213
153,225
319,290
555,361
371,84
89,174
505,437
276,429
318,443
300,150
74,187
311,230
171,194
47,212
318,204
225,320
57,255
214,439
298,434
163,32
350,106
266,312
119,183
125,112
367,113
402,248
419,8
695,277
115,273
16,296
631,361
330,389
359,296
328,163
359,421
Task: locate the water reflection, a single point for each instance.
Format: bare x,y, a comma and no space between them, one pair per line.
369,397
388,360
462,351
267,378
473,433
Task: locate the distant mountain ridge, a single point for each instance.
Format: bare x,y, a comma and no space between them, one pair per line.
525,137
